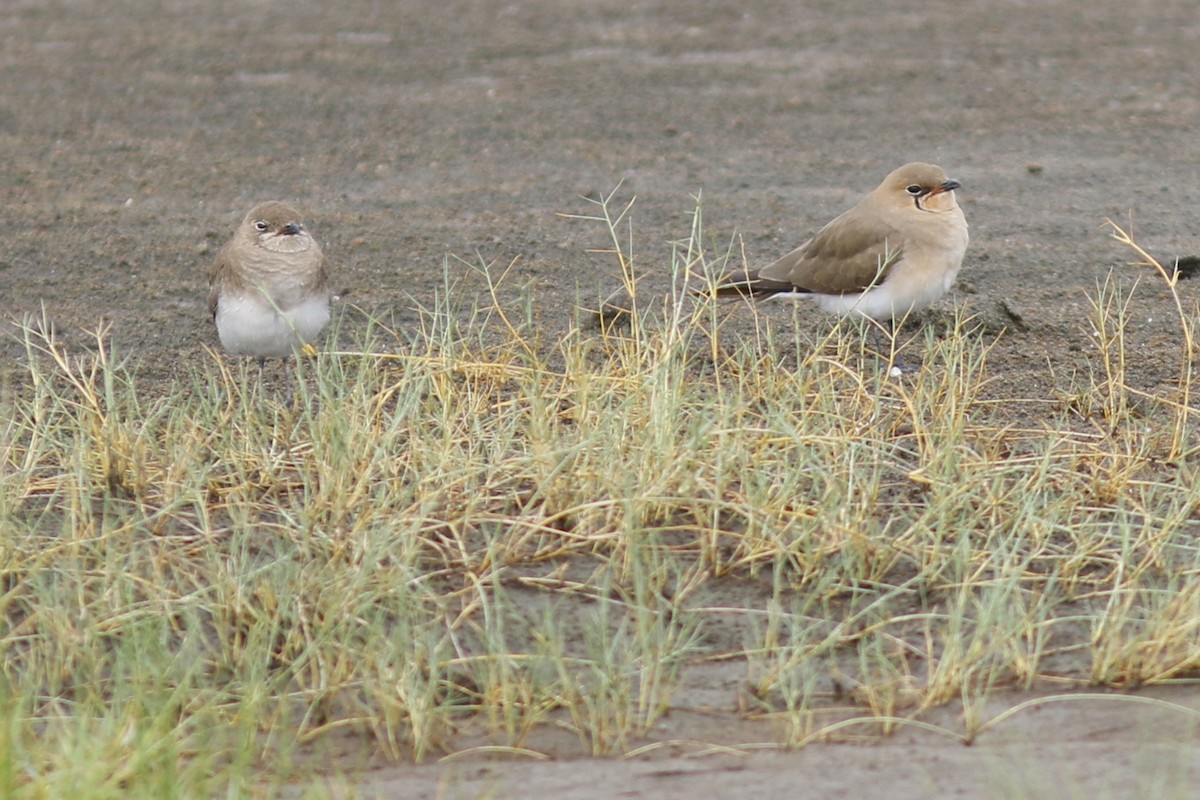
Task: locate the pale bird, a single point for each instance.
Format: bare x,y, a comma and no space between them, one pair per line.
894,253
268,292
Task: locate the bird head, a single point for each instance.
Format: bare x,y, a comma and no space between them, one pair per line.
277,227
923,187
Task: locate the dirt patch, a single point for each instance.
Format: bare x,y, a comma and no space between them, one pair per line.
135,139
1089,746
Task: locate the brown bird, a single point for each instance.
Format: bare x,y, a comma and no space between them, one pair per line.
268,292
894,253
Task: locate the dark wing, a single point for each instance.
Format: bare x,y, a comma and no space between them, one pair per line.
749,283
850,254
217,275
322,280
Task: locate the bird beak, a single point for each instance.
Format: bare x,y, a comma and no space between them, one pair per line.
291,229
949,185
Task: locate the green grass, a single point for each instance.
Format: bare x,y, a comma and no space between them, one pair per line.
465,537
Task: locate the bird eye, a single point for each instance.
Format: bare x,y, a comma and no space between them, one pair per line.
914,189
261,225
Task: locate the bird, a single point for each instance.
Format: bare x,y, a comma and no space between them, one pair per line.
268,288
894,253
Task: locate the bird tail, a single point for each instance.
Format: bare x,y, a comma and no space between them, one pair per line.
619,305
747,283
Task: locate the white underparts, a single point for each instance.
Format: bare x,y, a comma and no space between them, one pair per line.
905,291
249,325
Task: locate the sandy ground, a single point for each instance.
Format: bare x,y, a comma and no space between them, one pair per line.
135,135
1089,747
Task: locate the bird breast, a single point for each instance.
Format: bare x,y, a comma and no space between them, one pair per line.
287,278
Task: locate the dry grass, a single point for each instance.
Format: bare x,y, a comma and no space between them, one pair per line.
460,537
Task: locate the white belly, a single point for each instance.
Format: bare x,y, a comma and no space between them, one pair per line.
249,326
910,287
